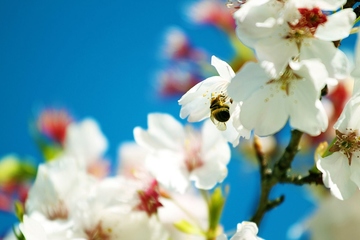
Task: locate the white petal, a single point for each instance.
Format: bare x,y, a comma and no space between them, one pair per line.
222,237
208,175
85,140
224,69
334,59
355,168
32,229
357,53
164,132
246,231
356,75
256,20
215,155
235,129
337,26
306,111
246,81
314,71
214,147
265,111
144,139
195,104
166,167
166,128
349,118
277,50
336,175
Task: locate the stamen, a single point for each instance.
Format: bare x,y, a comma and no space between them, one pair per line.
285,79
306,26
57,211
98,233
346,143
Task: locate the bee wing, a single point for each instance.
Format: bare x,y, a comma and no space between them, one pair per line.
215,122
219,125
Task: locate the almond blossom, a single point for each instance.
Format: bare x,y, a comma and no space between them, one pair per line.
180,155
173,212
58,186
132,165
33,230
85,141
113,209
65,201
341,169
269,101
279,31
196,103
245,231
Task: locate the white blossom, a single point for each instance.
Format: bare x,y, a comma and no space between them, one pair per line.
180,155
57,187
195,104
85,142
31,229
172,213
269,101
280,31
132,161
245,231
341,169
109,212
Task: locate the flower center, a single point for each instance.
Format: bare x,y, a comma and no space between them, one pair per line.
193,149
57,211
285,79
149,199
306,26
346,143
98,233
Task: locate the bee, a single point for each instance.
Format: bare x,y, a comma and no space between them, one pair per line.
219,111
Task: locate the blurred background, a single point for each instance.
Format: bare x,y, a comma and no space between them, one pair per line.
117,61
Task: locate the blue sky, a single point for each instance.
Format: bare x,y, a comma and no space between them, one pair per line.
99,59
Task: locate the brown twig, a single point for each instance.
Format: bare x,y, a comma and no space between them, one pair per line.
350,3
270,177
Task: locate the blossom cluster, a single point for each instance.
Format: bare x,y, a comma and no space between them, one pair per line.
297,58
152,190
296,43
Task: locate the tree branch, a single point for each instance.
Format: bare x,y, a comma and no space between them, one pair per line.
270,177
312,178
350,3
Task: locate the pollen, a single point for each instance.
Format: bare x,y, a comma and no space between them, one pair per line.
285,80
97,233
307,25
57,211
347,143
